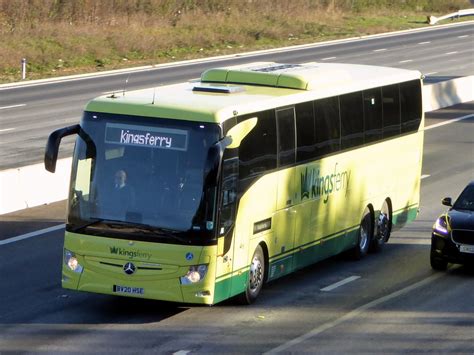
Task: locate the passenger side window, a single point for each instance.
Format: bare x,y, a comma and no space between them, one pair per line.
257,151
327,126
372,115
352,120
391,110
410,102
286,136
305,137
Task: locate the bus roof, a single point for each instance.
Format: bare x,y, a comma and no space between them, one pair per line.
223,93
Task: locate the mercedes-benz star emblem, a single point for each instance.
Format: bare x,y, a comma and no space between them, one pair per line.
129,268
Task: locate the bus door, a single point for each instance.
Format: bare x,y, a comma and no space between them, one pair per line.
285,214
227,210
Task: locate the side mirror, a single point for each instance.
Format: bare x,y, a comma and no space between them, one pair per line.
447,201
52,146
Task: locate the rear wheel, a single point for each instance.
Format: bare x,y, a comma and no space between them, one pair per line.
365,235
383,228
255,278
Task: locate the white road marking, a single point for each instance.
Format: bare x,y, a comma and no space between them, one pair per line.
353,314
449,122
182,352
427,42
432,73
380,50
424,176
12,106
329,58
340,283
406,61
464,36
449,53
6,130
32,234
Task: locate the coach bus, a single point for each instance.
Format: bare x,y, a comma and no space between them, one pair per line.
201,191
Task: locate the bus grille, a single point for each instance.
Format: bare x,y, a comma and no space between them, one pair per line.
463,236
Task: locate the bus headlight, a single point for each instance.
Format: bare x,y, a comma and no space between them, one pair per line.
195,274
71,261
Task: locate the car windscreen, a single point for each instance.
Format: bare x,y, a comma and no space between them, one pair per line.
465,201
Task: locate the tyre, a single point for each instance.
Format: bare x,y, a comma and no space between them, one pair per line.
383,228
438,264
256,278
365,234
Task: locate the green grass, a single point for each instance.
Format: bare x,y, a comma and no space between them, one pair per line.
68,39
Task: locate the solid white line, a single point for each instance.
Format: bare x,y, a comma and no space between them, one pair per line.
353,314
329,58
340,283
380,50
32,234
182,352
449,53
449,122
406,61
427,42
6,130
464,36
424,176
12,106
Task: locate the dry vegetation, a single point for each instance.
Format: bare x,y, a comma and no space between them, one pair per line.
65,36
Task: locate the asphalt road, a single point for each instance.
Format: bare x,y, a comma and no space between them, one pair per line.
29,113
395,303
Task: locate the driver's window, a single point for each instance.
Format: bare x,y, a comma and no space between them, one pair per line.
230,176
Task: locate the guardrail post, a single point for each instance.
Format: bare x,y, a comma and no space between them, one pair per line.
23,68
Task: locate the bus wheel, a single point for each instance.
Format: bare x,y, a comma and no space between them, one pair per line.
365,234
256,278
384,227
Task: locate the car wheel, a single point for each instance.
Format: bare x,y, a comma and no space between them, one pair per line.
438,264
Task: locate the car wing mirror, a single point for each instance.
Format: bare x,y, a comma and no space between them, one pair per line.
447,201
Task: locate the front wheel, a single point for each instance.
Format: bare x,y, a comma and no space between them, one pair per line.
437,263
256,278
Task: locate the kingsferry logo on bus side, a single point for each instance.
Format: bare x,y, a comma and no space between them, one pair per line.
314,184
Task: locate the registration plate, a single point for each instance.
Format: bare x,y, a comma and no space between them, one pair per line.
129,290
466,249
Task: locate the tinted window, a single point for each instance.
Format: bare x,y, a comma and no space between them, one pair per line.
327,126
305,131
286,136
257,151
372,115
391,110
410,101
352,121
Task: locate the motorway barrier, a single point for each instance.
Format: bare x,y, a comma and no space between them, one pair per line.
31,186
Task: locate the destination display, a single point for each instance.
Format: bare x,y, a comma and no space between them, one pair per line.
145,136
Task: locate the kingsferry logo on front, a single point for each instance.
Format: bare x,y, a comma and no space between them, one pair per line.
130,253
